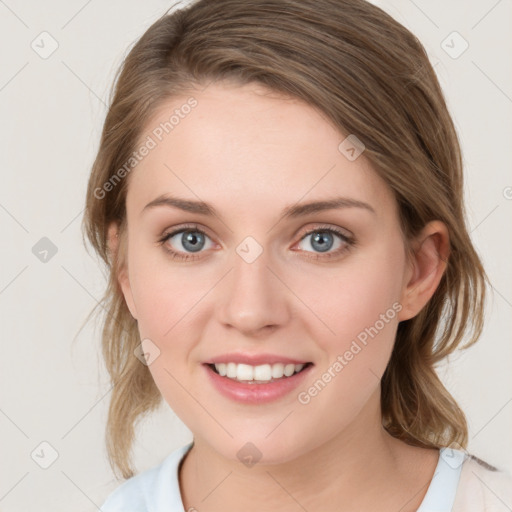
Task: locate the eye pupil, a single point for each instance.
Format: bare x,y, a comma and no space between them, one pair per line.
192,237
319,238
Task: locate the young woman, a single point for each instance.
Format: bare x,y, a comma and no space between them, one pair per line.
278,198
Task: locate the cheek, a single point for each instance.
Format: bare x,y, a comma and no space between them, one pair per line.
362,315
165,294
354,295
167,298
358,305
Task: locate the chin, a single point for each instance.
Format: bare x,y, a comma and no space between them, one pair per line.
257,449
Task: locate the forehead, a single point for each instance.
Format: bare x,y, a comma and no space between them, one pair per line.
245,147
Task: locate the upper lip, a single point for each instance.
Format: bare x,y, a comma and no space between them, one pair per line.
253,359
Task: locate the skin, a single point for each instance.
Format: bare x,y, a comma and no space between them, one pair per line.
250,153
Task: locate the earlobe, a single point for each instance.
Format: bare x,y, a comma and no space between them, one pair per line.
431,252
115,248
124,283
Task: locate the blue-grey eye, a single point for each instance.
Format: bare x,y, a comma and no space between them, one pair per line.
192,241
323,240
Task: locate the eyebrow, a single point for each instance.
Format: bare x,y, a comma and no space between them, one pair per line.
292,211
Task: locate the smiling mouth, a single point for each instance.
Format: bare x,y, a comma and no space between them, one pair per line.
261,374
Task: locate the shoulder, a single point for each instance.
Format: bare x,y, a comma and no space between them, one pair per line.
131,493
155,488
483,487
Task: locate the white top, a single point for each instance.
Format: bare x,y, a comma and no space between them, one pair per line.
461,483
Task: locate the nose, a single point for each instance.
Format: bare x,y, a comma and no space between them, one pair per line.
253,298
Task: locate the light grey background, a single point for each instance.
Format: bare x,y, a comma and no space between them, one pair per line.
55,390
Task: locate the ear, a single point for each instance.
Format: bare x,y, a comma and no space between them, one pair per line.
425,270
117,245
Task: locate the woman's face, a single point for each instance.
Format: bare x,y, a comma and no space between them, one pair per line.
259,283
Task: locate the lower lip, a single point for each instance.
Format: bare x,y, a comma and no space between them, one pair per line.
256,393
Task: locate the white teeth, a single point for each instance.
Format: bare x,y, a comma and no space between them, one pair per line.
277,370
231,370
289,370
221,368
261,373
244,372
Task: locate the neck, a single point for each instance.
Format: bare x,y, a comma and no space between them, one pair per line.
361,468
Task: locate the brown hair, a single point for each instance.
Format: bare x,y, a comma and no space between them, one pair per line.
369,76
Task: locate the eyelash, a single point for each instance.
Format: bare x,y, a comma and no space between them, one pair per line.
349,241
